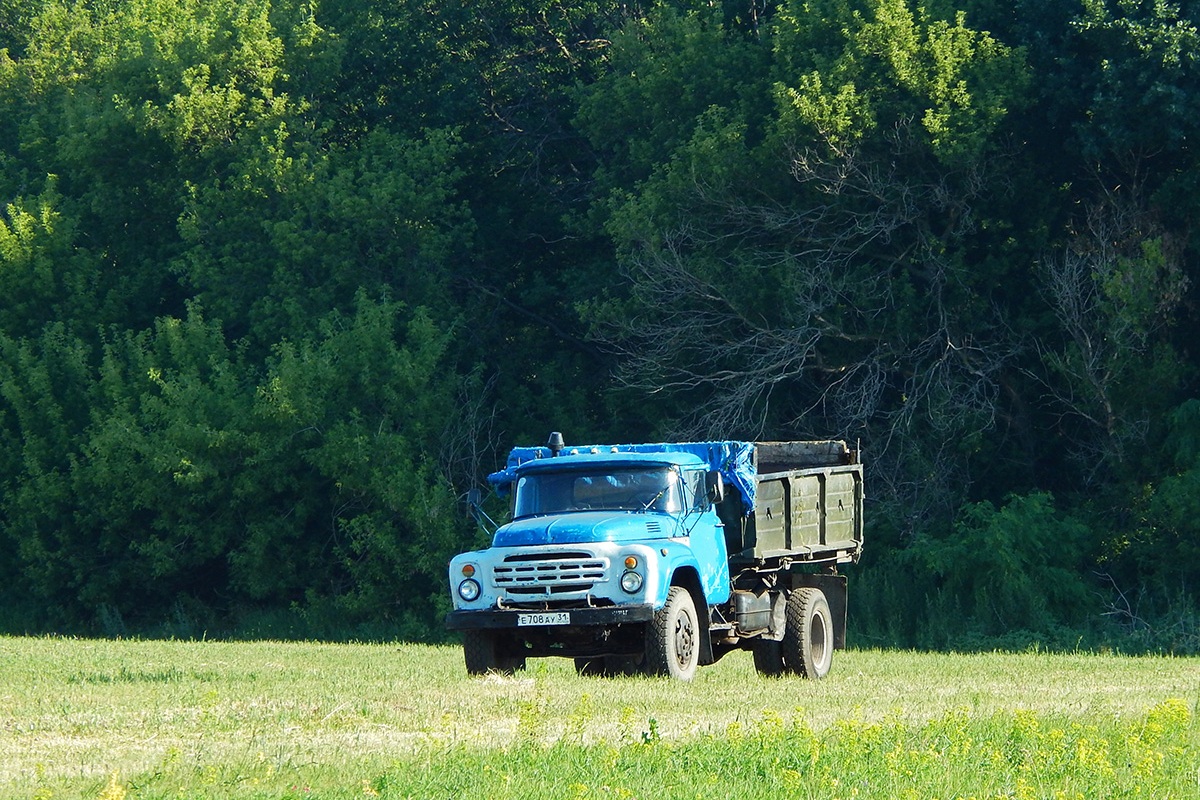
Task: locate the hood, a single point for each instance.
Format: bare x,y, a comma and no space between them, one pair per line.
586,526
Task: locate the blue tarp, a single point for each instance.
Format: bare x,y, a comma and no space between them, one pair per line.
734,460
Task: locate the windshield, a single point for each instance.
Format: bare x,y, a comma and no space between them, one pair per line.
616,490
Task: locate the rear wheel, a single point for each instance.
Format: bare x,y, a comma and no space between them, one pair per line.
673,637
808,634
486,651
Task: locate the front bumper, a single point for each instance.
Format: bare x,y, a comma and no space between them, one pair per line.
492,618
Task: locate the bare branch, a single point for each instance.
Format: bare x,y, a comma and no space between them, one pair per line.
1109,295
838,309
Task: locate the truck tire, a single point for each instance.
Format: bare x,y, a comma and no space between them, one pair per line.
808,634
673,637
484,651
768,657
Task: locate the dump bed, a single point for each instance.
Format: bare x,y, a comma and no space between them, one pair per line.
808,502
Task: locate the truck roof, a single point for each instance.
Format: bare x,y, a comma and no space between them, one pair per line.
715,455
570,459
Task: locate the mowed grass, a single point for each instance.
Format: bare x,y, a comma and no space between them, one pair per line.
151,719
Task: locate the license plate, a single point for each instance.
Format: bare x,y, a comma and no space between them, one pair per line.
548,618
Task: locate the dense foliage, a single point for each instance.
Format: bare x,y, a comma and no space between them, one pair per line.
282,280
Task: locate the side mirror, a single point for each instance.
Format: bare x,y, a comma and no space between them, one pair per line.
714,487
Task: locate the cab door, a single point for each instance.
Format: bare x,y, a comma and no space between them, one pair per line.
706,535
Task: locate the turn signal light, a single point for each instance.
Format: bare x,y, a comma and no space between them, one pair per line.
468,570
630,562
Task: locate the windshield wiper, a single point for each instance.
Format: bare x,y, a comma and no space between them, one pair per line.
655,499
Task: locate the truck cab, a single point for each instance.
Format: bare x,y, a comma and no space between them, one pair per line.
596,543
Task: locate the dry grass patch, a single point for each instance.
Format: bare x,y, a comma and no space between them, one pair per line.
236,719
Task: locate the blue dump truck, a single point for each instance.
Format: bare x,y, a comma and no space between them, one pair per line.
658,558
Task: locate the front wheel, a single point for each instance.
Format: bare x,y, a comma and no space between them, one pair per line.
673,637
808,634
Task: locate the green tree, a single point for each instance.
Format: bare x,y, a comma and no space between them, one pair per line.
299,232
281,279
1151,560
1019,569
199,479
813,271
47,391
663,73
359,409
128,104
43,275
144,463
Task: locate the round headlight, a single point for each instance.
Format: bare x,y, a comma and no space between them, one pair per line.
468,590
631,582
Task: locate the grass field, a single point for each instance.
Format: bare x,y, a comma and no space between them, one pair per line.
149,719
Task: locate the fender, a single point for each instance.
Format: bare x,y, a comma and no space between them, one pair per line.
679,567
670,556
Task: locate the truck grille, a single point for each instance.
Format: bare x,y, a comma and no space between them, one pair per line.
549,573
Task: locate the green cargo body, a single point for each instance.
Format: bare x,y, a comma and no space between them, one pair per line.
808,505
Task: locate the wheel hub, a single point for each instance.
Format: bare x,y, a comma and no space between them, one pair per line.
685,640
